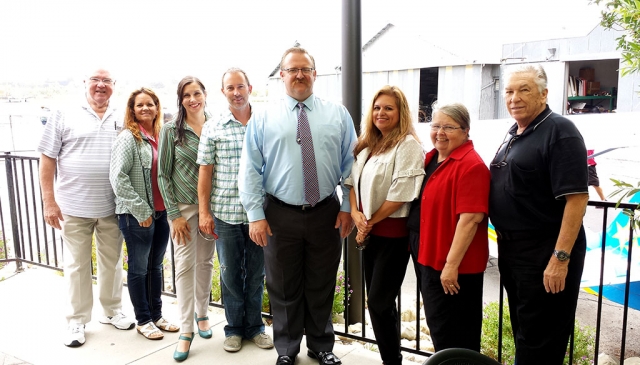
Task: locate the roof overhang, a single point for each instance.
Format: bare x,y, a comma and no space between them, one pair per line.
592,56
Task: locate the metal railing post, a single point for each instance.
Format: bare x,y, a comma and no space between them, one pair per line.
8,161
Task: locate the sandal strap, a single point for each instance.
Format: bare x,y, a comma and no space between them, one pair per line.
164,324
205,318
148,329
186,338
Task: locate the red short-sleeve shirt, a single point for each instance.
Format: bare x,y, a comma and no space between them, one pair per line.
459,185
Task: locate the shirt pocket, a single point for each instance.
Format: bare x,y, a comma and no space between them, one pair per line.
524,180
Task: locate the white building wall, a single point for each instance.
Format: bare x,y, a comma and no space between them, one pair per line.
629,92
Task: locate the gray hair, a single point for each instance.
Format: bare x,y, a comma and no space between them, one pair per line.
455,111
538,73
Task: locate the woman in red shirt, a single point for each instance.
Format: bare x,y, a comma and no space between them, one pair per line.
448,232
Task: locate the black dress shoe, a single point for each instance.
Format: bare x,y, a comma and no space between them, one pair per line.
324,357
285,360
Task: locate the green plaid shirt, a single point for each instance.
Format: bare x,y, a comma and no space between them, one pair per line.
221,146
130,175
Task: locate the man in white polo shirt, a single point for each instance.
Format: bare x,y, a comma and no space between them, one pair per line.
77,140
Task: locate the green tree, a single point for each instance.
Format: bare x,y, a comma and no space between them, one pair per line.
624,15
625,191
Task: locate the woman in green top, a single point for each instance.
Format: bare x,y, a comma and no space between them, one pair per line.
178,180
140,209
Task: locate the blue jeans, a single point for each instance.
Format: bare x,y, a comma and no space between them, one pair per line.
242,272
146,247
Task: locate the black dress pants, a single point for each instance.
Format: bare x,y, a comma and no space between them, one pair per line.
301,262
542,322
453,320
385,263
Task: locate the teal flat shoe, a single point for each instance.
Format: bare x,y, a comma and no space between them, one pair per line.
203,334
182,356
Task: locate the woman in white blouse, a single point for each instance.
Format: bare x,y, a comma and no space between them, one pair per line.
386,177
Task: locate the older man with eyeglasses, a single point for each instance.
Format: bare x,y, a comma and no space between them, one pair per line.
537,201
298,152
77,143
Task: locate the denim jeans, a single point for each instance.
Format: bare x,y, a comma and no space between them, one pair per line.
146,247
242,272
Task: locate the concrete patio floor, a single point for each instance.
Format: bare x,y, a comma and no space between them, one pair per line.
32,326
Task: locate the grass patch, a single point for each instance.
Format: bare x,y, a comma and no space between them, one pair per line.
584,337
3,251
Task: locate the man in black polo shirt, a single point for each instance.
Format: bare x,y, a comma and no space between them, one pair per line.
538,199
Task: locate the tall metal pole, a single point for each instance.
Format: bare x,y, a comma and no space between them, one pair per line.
352,100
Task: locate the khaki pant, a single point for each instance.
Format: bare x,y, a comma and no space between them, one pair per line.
194,267
77,234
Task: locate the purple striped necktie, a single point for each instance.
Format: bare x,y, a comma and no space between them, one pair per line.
309,172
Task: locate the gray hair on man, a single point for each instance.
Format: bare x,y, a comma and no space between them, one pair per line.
539,75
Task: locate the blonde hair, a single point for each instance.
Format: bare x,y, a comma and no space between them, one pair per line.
370,135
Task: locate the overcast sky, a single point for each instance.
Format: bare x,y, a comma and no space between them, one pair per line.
147,40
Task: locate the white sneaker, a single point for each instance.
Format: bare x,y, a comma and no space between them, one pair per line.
263,340
232,343
75,335
119,321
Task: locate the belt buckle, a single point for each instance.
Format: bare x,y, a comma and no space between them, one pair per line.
306,206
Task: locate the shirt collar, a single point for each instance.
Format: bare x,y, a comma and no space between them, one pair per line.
541,118
456,154
227,116
86,106
292,103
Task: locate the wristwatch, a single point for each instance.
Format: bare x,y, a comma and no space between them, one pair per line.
561,255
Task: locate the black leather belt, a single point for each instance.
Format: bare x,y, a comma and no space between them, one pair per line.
523,235
303,206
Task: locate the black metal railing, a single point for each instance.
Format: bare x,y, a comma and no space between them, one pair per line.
25,239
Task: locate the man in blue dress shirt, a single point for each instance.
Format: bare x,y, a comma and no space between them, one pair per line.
302,239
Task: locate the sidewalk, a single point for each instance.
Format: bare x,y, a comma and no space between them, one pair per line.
32,325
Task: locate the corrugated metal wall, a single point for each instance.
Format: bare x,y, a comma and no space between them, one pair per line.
471,85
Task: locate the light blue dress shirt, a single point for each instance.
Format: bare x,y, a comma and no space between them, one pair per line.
271,159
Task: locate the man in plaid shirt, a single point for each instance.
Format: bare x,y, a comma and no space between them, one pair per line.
241,260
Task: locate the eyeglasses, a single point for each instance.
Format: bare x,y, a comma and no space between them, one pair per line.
503,163
96,80
445,128
294,71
